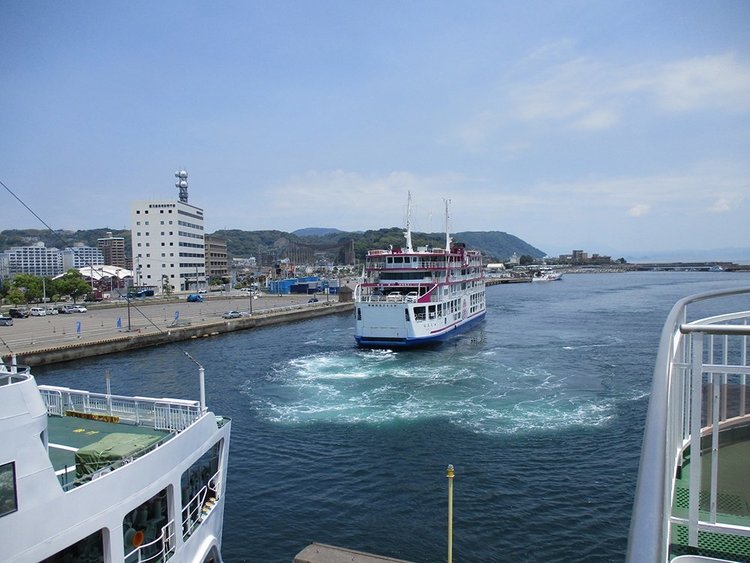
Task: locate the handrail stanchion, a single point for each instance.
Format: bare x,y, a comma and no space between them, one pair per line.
450,513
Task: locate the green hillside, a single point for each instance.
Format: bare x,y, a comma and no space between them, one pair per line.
268,246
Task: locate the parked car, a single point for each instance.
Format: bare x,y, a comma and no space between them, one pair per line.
52,310
38,312
201,291
63,309
312,300
232,315
19,312
194,298
77,309
6,321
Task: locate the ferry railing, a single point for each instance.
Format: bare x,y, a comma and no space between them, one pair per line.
13,373
172,415
161,548
699,388
200,505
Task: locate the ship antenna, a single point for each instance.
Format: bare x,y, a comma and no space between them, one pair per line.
447,233
407,234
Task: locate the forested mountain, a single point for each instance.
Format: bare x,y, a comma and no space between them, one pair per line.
272,245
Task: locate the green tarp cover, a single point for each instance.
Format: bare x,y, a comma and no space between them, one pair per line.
110,449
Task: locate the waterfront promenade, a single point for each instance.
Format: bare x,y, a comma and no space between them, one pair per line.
110,327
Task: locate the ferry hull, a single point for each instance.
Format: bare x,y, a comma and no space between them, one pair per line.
436,337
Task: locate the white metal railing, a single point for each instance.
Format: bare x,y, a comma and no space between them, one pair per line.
13,373
198,507
699,388
161,548
172,415
392,297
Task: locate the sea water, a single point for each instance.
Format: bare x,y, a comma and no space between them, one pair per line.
540,409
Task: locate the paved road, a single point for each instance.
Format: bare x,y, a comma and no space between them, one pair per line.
105,320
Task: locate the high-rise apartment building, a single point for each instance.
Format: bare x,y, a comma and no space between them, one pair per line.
80,256
37,260
113,250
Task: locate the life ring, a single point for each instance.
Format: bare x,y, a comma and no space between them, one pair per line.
138,538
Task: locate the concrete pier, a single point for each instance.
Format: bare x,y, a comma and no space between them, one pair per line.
322,553
33,348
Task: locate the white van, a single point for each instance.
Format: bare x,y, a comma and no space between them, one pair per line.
38,312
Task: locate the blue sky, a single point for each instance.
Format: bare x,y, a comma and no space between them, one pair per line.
613,127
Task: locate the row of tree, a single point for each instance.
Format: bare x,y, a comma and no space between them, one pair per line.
27,288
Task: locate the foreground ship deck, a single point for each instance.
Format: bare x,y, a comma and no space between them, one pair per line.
693,498
101,477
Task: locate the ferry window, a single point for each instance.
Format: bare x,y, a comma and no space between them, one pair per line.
200,489
8,501
407,260
406,314
359,314
90,548
419,313
142,528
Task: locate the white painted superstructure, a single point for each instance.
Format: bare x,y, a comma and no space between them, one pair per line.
67,493
410,297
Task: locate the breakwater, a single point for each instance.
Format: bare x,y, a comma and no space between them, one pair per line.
63,352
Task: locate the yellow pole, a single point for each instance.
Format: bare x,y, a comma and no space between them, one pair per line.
450,513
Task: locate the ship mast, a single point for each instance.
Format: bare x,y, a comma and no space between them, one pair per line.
407,234
447,233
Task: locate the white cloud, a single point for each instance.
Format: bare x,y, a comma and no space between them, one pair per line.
590,94
348,200
717,82
598,119
721,205
639,210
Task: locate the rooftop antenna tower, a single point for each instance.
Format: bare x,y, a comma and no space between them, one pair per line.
182,184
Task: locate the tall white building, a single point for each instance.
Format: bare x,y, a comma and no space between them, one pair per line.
169,251
168,245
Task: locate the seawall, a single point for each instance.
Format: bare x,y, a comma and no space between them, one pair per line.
133,340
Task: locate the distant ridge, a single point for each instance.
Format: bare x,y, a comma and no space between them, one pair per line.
494,245
497,244
316,232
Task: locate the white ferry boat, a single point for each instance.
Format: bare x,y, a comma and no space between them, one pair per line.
411,297
692,502
545,275
90,477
